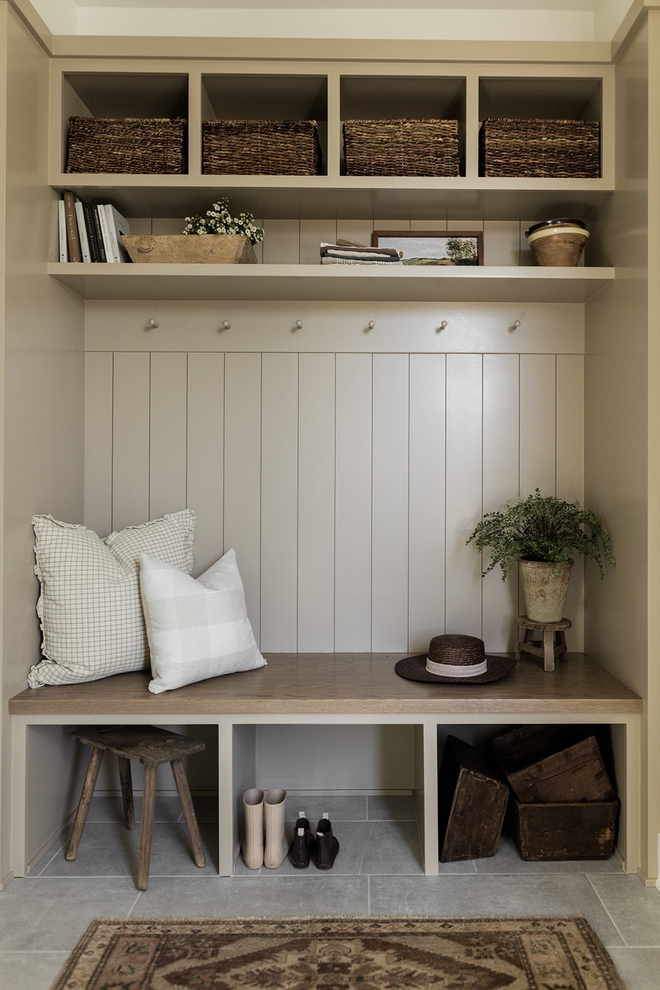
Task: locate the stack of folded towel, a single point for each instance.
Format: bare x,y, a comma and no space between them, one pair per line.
356,254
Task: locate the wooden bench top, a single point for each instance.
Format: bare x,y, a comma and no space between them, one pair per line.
342,684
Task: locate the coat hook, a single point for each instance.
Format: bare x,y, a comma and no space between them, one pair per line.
371,324
515,325
442,326
226,325
299,324
152,323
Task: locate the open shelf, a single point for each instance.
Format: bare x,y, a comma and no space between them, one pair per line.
323,197
333,282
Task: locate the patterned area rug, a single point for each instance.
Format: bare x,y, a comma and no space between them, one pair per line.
337,953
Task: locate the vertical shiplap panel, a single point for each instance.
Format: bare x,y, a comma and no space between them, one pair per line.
130,453
570,474
279,503
206,397
169,400
281,244
537,423
243,473
426,601
464,473
501,447
312,233
389,580
316,499
353,503
537,428
98,442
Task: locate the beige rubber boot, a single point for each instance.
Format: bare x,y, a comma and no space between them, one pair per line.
253,843
277,844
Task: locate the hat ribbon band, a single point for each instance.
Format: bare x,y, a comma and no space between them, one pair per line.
454,670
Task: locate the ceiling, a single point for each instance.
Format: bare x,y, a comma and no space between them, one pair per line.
520,20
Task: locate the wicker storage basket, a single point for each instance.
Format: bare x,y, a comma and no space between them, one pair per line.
260,147
547,149
133,145
401,147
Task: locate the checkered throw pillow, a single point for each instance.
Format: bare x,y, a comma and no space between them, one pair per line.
89,607
196,628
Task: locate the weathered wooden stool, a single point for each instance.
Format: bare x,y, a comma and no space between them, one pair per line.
150,746
554,640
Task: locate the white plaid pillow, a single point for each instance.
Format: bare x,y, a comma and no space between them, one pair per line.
89,607
196,628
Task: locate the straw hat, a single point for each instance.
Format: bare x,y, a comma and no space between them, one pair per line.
455,659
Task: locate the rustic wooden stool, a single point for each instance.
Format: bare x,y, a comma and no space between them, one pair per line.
554,640
150,746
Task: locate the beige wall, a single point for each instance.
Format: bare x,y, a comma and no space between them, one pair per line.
620,435
43,393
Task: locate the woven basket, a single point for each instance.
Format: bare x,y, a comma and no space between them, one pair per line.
547,149
401,147
260,147
133,145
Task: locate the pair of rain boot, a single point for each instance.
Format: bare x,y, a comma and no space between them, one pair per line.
268,810
323,847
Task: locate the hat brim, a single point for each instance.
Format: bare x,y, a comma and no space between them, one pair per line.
414,669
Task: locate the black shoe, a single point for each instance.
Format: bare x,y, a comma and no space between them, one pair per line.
327,846
303,844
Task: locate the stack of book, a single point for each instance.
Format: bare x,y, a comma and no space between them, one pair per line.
90,233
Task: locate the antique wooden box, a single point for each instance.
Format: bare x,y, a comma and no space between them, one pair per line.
471,804
563,831
553,763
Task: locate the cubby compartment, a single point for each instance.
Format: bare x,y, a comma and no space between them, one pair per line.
121,94
269,97
514,141
386,98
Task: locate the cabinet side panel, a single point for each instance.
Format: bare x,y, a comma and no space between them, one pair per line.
390,503
130,457
501,468
426,595
206,387
167,469
279,503
316,501
98,442
243,473
464,491
353,503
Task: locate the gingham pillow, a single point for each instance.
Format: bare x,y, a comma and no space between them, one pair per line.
196,628
89,607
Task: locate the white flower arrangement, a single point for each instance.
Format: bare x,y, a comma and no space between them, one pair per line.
218,220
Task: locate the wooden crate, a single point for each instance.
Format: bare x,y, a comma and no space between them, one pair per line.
563,831
260,147
553,763
471,804
401,147
538,148
129,145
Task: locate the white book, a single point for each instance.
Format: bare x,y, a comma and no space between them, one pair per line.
117,225
82,232
105,233
64,246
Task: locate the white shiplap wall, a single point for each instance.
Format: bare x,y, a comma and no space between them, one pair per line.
347,469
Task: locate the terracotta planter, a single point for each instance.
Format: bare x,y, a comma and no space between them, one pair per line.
545,587
191,249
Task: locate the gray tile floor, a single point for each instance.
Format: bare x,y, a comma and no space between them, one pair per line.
378,872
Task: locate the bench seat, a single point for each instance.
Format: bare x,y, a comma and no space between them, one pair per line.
342,684
338,689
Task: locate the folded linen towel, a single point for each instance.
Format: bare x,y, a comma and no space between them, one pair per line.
327,260
360,255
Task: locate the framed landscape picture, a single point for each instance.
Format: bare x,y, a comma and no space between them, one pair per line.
430,247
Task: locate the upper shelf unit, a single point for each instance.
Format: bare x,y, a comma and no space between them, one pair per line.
331,93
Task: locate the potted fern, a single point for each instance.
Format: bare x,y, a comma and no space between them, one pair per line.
541,533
